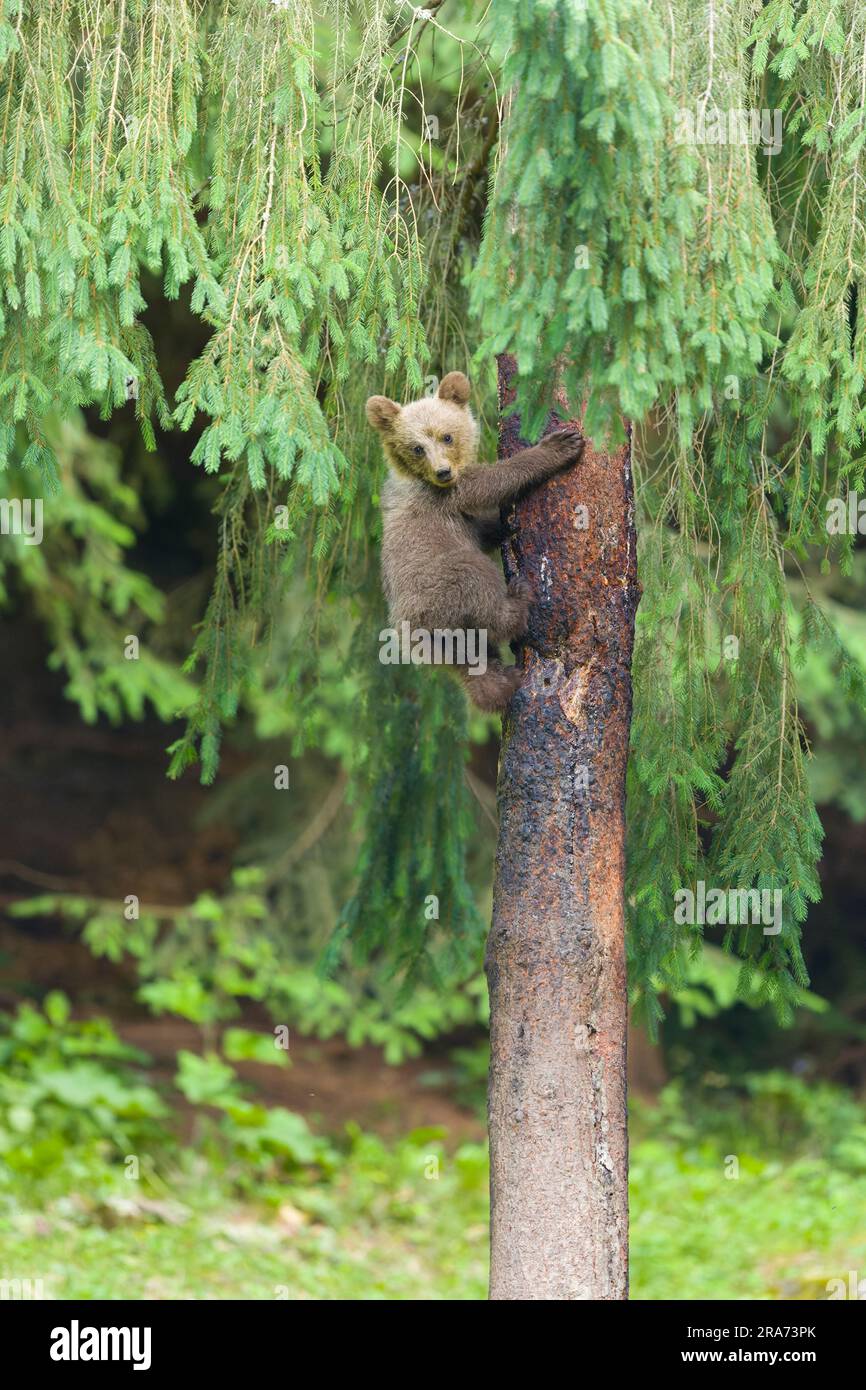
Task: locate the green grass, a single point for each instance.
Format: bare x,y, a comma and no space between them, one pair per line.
409,1220
778,1231
381,1229
382,1226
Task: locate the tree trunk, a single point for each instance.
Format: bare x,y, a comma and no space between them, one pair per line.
556,954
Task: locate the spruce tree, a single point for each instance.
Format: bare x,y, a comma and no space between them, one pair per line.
273,164
649,252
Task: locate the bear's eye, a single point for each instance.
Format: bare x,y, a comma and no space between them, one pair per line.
419,449
447,439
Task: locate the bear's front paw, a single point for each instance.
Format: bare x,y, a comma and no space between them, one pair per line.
518,587
564,445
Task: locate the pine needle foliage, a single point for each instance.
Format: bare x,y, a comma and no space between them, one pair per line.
272,163
413,907
633,280
183,140
88,599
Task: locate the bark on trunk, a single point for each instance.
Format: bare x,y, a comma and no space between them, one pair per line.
556,955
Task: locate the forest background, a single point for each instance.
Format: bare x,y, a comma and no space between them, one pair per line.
243,1044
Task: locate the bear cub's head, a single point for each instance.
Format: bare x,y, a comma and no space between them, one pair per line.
431,439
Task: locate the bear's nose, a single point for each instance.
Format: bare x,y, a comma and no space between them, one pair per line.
443,474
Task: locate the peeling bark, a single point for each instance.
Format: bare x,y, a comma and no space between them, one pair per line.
556,955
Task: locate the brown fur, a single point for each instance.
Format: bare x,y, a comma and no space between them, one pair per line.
441,509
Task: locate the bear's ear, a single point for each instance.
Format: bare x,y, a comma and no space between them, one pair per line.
381,412
454,387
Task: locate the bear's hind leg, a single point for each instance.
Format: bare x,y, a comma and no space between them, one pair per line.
491,690
511,618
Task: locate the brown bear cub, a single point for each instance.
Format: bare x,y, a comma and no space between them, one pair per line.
441,511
